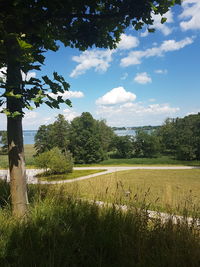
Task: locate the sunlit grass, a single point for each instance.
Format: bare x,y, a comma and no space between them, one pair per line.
73,175
164,190
62,231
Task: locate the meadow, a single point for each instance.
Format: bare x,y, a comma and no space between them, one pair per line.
173,191
60,230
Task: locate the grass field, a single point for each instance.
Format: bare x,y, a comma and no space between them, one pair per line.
164,190
29,152
163,160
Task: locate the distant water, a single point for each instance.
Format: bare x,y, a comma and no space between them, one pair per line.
125,132
29,135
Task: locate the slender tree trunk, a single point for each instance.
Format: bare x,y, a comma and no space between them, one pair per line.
14,130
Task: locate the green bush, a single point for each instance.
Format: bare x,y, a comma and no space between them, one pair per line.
55,162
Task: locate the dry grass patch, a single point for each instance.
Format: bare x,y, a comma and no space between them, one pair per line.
165,190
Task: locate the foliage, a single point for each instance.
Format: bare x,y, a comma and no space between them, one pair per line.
3,142
85,139
53,135
146,145
54,161
181,137
124,146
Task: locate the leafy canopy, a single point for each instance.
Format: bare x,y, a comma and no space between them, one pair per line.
35,26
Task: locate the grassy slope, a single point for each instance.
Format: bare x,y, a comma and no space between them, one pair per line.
165,190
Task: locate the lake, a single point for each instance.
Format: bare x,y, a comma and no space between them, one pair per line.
30,134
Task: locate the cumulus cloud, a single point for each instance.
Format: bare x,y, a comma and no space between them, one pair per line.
190,15
136,114
116,96
142,78
128,42
68,94
160,71
70,114
135,57
97,59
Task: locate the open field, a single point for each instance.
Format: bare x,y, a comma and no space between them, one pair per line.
164,190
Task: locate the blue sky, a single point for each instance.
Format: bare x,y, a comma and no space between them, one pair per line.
147,79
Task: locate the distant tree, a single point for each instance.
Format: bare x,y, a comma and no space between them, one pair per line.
85,139
106,136
181,137
146,144
53,135
124,146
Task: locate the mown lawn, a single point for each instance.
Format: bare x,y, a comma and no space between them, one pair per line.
68,176
163,160
164,190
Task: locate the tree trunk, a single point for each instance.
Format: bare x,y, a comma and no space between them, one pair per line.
14,130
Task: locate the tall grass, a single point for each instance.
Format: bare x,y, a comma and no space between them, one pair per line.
63,231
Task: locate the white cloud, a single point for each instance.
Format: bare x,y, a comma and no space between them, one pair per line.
28,76
116,96
191,15
68,94
128,42
135,57
136,114
97,59
142,78
70,114
25,77
160,71
164,28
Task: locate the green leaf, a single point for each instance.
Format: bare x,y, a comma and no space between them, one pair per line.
23,44
163,20
151,30
11,94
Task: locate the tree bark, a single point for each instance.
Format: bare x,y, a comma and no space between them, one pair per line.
14,130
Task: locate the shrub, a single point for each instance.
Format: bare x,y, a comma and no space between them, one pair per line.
55,162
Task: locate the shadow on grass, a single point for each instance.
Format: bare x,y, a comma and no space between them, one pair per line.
62,231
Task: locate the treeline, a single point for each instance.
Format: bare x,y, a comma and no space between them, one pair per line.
180,137
88,140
